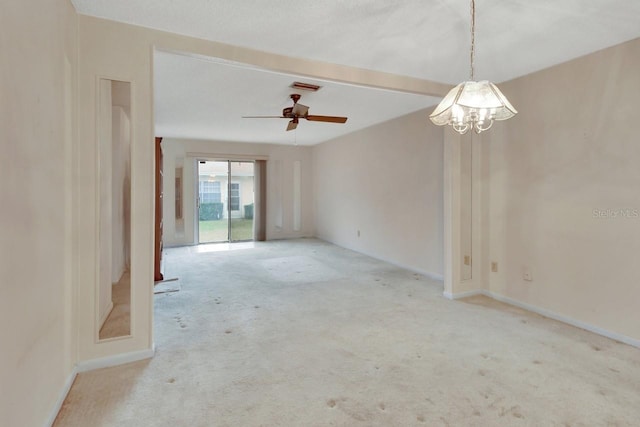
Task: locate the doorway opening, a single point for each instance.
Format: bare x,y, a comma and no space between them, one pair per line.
225,201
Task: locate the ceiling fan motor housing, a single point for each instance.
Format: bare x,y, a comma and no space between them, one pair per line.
288,112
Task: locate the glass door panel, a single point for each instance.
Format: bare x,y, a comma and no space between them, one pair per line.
241,201
213,179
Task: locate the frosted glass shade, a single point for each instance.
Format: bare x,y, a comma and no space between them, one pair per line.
472,105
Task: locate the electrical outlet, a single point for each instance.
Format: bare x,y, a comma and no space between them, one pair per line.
494,267
358,233
467,260
527,275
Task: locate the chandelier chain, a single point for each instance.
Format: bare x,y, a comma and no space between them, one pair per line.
473,37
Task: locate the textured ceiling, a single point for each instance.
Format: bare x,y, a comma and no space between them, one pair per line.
204,98
427,39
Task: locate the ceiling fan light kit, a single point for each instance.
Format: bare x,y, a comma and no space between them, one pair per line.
472,105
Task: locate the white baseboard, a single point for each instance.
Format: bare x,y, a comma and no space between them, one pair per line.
449,295
62,397
550,314
430,275
565,319
90,365
433,276
118,359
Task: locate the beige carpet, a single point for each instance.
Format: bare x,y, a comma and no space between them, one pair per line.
118,323
302,333
169,285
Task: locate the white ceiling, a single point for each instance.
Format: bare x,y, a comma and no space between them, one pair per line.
427,39
204,98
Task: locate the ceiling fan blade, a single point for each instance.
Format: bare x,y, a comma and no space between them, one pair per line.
264,117
292,125
300,110
329,119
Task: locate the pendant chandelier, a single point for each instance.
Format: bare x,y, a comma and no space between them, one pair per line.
472,104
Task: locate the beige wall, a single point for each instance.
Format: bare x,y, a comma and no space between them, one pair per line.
572,150
279,191
124,52
116,52
37,109
385,181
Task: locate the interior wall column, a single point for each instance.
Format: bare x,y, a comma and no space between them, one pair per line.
451,196
456,285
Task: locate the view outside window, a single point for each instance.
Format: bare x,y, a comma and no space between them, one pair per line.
210,192
234,200
225,209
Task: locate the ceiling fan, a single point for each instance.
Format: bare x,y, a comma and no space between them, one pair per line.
297,112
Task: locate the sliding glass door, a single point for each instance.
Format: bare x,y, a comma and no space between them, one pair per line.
225,201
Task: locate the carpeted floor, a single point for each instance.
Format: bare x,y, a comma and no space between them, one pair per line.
118,322
302,333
